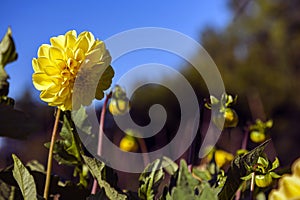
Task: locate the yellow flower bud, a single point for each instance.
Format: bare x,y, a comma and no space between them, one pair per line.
229,117
222,157
118,106
263,180
129,143
257,136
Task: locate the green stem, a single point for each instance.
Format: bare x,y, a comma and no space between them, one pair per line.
50,155
100,137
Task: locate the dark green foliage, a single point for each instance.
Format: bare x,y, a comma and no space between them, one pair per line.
150,180
24,179
239,169
97,168
104,82
67,150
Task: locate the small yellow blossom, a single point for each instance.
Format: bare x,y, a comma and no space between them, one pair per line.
119,103
221,157
129,144
289,185
58,65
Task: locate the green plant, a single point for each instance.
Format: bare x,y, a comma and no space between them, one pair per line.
161,179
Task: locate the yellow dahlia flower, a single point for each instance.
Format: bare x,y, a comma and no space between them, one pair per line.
59,64
289,185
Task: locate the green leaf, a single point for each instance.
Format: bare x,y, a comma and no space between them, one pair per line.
7,49
207,192
170,166
238,169
213,100
7,192
275,164
96,167
81,121
185,184
202,174
274,175
150,179
34,165
68,134
67,150
263,162
61,155
104,82
246,178
24,179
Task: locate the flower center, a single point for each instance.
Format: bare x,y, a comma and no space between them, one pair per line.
70,71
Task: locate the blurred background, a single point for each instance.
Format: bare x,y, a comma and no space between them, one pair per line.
254,43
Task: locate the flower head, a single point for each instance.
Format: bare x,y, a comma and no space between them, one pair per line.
119,103
225,117
289,185
259,129
221,157
59,64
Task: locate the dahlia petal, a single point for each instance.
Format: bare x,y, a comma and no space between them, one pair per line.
72,63
54,89
79,54
67,105
69,53
276,195
35,65
58,41
94,55
43,62
71,32
51,70
48,97
82,43
70,39
44,50
42,81
64,92
296,168
61,64
90,37
290,186
55,54
99,44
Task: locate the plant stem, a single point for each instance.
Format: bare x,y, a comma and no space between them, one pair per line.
245,140
244,146
193,152
144,150
50,155
252,185
100,137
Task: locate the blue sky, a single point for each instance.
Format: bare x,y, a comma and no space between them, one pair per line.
34,22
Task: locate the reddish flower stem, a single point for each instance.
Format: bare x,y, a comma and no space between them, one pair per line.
50,155
144,150
100,137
